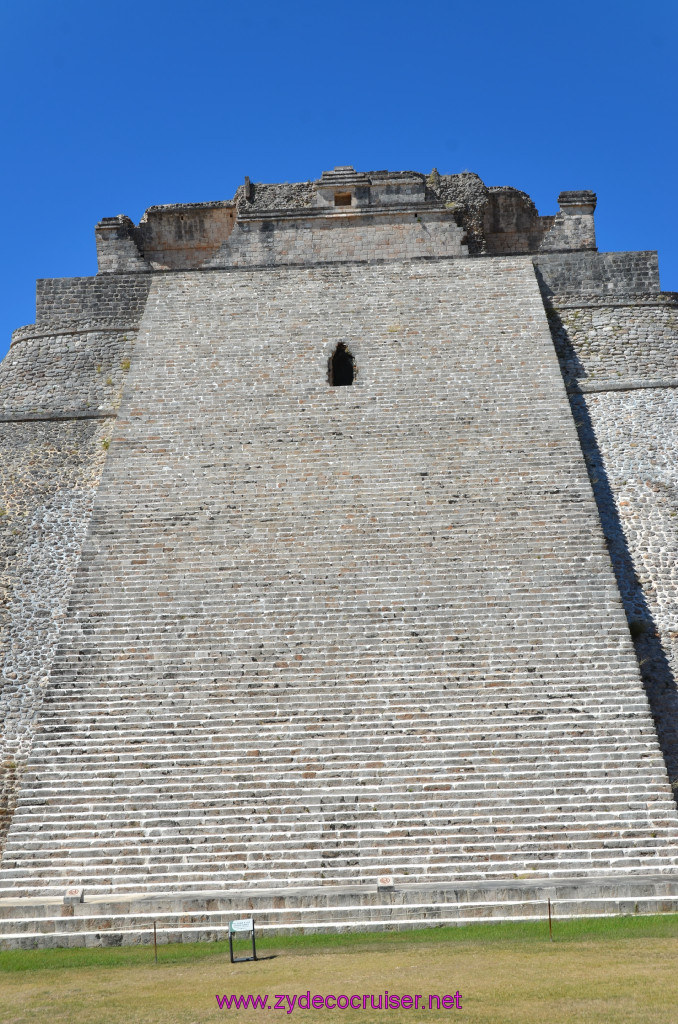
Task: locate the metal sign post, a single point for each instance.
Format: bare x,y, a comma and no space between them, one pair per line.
245,924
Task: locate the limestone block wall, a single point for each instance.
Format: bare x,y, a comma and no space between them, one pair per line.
583,274
511,223
339,237
172,237
573,226
117,247
117,297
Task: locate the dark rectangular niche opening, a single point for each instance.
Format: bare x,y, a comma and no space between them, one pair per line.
342,198
341,367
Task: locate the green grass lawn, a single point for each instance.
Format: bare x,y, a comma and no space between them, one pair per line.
614,971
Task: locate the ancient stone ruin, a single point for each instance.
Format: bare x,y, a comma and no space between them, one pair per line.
339,530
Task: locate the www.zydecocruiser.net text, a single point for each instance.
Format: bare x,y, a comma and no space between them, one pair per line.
306,1000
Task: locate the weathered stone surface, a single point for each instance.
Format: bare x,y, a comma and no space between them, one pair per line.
618,351
205,916
301,634
261,540
59,387
605,344
50,472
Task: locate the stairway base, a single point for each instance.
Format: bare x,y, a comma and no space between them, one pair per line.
109,920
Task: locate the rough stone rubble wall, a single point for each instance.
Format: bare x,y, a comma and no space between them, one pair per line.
49,476
631,445
66,369
617,344
59,387
75,357
618,349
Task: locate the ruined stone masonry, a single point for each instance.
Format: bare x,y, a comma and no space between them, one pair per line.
339,532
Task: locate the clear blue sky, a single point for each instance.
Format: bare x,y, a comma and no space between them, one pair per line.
110,107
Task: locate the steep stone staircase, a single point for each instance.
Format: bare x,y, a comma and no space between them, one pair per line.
320,634
190,793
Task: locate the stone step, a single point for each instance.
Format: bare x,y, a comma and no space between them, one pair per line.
186,916
242,783
302,721
230,733
277,921
459,800
213,925
29,844
268,847
264,846
322,863
373,765
576,740
439,765
554,751
303,717
138,872
199,881
154,851
304,830
167,692
574,737
529,810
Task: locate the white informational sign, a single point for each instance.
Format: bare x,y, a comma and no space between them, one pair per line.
245,924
